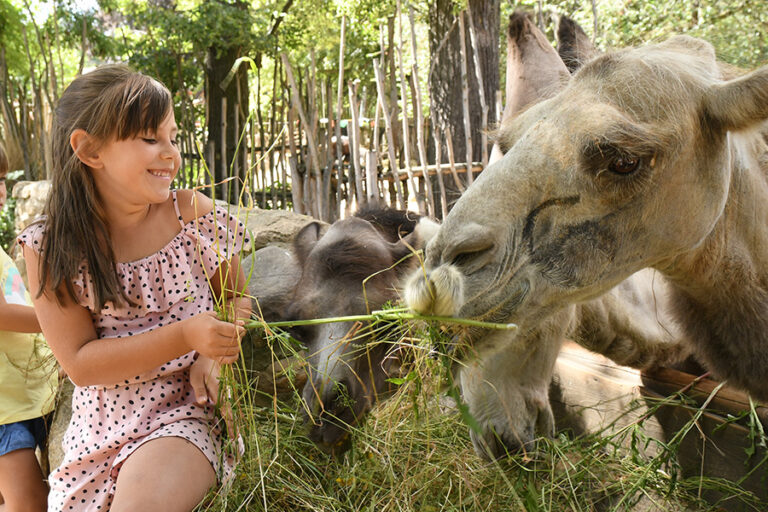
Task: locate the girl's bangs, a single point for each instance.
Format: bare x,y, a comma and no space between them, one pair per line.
145,104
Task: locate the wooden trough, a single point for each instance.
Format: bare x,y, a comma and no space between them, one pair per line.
592,394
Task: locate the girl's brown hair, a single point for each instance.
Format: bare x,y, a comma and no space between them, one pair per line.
110,103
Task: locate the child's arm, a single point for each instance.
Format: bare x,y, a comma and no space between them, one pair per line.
70,333
17,317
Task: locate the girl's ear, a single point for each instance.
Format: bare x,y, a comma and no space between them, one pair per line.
84,148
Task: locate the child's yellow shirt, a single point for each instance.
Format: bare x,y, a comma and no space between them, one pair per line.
28,376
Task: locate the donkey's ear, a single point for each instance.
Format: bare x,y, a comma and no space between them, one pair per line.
305,240
417,239
739,104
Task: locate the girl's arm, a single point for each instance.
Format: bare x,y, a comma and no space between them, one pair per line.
228,283
70,333
17,317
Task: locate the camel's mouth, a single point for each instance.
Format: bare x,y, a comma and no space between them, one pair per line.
498,305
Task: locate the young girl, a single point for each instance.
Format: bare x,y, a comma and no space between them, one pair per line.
126,275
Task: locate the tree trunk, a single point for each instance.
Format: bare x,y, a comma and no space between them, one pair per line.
444,89
218,64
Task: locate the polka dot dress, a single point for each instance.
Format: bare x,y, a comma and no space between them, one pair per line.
109,423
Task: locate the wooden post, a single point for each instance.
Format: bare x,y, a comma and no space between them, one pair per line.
420,117
371,176
325,102
390,136
235,166
313,157
452,159
260,165
441,184
481,90
339,102
252,170
210,175
354,142
406,131
224,170
465,96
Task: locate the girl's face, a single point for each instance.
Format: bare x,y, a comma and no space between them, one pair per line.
139,170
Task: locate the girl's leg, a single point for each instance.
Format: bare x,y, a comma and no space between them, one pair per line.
22,484
167,474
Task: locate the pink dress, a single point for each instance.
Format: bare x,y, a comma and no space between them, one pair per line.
109,423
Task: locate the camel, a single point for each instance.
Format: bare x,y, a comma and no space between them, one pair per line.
648,158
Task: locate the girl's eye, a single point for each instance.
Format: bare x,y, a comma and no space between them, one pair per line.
174,142
149,140
624,165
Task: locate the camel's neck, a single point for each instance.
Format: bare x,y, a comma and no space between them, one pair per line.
721,287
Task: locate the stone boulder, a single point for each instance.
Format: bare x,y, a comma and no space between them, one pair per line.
273,227
30,199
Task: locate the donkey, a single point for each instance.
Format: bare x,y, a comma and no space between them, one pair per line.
649,157
355,267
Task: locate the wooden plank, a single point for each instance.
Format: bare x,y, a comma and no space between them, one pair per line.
592,394
432,170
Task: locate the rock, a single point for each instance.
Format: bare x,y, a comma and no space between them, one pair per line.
274,227
61,418
272,273
30,199
273,367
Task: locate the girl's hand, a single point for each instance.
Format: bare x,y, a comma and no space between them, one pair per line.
204,377
238,308
213,338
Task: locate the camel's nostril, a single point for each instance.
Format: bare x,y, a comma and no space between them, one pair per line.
473,260
471,249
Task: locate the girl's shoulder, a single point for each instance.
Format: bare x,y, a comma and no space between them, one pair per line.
192,204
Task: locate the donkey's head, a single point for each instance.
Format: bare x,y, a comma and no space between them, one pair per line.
353,269
627,167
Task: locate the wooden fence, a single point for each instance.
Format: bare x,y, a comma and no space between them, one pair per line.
329,147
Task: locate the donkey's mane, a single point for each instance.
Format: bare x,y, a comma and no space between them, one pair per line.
391,223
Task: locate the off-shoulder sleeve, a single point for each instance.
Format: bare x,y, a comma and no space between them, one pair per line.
219,236
32,236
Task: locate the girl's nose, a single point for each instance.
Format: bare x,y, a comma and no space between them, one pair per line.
170,151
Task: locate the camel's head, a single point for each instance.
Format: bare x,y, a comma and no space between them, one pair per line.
627,167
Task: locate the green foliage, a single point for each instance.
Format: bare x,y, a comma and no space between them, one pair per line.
10,33
7,227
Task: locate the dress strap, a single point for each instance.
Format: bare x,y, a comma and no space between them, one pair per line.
176,207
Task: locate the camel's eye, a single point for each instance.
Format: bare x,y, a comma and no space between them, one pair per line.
624,165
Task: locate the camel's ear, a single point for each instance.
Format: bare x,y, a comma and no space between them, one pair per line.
534,69
305,240
534,72
739,104
573,44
